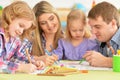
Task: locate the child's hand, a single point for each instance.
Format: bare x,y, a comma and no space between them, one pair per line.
26,68
39,64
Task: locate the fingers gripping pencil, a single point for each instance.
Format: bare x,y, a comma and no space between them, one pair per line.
28,55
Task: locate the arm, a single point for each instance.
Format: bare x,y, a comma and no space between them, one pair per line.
21,57
7,64
97,59
59,50
49,60
21,51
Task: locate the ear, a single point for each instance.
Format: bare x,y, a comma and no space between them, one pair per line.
114,23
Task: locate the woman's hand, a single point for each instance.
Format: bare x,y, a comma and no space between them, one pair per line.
48,60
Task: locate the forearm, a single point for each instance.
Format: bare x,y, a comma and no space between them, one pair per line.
12,67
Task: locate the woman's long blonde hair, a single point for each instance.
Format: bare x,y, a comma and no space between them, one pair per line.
39,9
18,9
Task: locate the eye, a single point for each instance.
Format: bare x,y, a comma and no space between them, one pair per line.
43,23
97,27
21,25
73,30
81,30
51,18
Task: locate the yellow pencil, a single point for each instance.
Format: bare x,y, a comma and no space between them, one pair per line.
27,53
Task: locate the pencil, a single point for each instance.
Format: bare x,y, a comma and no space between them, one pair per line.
53,53
81,60
27,53
48,53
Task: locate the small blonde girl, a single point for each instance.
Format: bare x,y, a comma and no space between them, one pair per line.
77,41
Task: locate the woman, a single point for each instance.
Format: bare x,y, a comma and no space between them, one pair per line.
47,33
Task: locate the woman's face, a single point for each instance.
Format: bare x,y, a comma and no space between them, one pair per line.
49,23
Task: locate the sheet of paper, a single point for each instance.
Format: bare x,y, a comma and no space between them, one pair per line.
75,64
83,66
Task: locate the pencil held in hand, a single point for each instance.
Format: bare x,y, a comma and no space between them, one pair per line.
81,60
28,55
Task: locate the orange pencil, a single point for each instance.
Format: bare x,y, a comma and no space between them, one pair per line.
27,53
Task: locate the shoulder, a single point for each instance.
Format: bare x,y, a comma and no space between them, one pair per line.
26,41
116,37
63,40
91,41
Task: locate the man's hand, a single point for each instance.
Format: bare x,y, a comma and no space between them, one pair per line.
97,59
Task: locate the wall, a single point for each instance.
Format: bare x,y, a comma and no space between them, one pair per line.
63,3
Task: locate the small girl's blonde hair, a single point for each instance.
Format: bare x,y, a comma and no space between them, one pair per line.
18,9
75,15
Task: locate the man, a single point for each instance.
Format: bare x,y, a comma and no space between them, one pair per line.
104,21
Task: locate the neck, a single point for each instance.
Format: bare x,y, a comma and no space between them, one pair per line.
49,37
76,42
49,40
7,38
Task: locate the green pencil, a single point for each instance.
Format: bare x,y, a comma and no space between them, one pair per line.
81,60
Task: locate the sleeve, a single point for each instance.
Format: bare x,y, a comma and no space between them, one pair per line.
21,54
11,67
6,65
59,50
93,45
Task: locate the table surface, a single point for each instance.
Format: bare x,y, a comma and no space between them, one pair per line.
91,75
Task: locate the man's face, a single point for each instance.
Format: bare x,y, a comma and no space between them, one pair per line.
101,29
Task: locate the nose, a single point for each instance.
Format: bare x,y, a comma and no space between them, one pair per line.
77,32
49,24
20,31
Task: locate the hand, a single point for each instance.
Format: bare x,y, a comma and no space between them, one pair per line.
26,68
48,60
55,57
97,59
39,64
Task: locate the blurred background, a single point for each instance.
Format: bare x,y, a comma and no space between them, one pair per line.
64,6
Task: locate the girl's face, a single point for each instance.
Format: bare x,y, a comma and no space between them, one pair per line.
18,26
76,29
49,23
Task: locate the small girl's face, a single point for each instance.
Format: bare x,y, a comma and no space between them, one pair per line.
18,26
49,23
77,29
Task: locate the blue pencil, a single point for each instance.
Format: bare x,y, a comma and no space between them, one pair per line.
48,53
